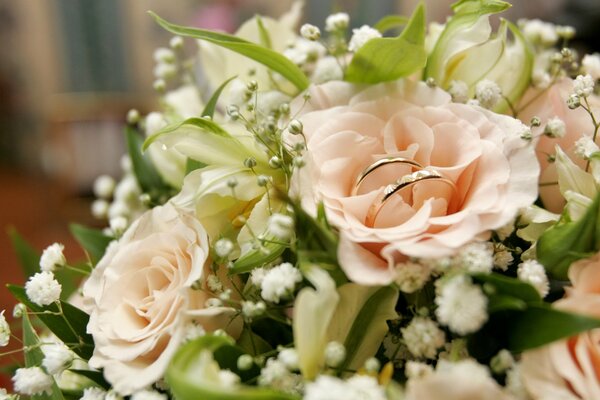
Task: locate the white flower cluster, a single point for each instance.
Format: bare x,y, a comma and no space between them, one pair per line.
337,21
411,276
534,273
358,387
476,257
52,257
361,36
32,381
555,128
585,147
57,357
279,282
487,93
423,337
4,330
461,305
583,86
591,65
539,32
43,289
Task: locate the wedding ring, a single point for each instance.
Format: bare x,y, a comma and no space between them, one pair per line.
380,163
397,187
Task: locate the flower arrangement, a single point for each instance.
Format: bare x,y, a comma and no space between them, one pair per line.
339,215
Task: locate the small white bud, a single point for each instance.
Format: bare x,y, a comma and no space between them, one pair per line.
488,93
459,91
361,36
555,128
213,302
52,257
100,208
164,55
159,85
372,365
281,226
32,381
104,186
223,247
310,32
275,162
534,273
295,127
245,362
262,180
19,310
335,354
4,330
176,42
133,116
583,86
585,147
338,21
118,225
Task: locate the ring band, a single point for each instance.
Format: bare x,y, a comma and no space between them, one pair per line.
399,185
380,163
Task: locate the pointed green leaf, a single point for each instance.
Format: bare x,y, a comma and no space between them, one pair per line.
95,376
390,22
192,165
29,258
265,38
209,109
92,240
567,242
271,59
70,327
204,124
145,172
513,287
256,258
387,59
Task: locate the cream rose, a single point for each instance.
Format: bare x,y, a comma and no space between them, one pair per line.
348,128
570,369
140,299
547,104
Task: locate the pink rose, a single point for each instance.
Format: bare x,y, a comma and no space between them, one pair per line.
348,128
570,369
141,302
548,104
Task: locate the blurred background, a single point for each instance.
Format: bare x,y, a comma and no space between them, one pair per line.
71,69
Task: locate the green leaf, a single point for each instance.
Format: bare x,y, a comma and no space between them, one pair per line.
29,258
34,356
264,255
565,243
387,59
70,327
390,22
92,240
502,303
145,172
193,373
265,38
95,376
209,109
542,324
206,125
192,165
271,59
507,286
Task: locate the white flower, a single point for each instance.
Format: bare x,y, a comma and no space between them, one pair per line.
280,282
163,54
459,91
100,208
423,337
415,369
257,276
502,259
488,93
104,185
57,357
335,354
361,36
541,32
193,331
113,395
223,247
514,383
31,381
461,305
359,387
165,71
591,65
502,361
281,226
93,393
583,85
42,288
534,273
227,378
118,224
52,257
585,147
4,330
148,395
476,257
541,79
555,128
327,69
251,309
337,21
276,375
289,357
310,32
411,276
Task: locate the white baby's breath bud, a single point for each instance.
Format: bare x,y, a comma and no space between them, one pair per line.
176,42
459,91
19,310
251,309
262,180
193,331
502,259
4,330
213,302
165,71
372,365
573,101
164,55
585,147
289,358
488,93
502,361
281,226
431,82
540,32
298,162
583,85
104,186
133,116
534,273
591,65
335,354
423,337
252,86
53,257
233,111
411,276
245,362
476,257
361,36
214,283
535,122
159,85
32,381
526,134
57,357
276,375
565,32
93,393
225,295
113,395
148,395
279,282
232,182
327,69
337,21
555,128
223,247
310,32
541,79
100,208
295,127
275,162
284,108
461,305
250,162
118,225
43,289
417,370
257,276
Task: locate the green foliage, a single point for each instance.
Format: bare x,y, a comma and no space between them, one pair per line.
145,173
390,22
70,326
92,240
570,241
387,59
28,257
263,55
209,108
269,252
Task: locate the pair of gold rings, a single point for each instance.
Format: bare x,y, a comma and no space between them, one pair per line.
417,175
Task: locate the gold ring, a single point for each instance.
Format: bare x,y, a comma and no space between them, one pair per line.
380,163
399,185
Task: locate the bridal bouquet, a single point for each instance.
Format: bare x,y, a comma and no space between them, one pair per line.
391,212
